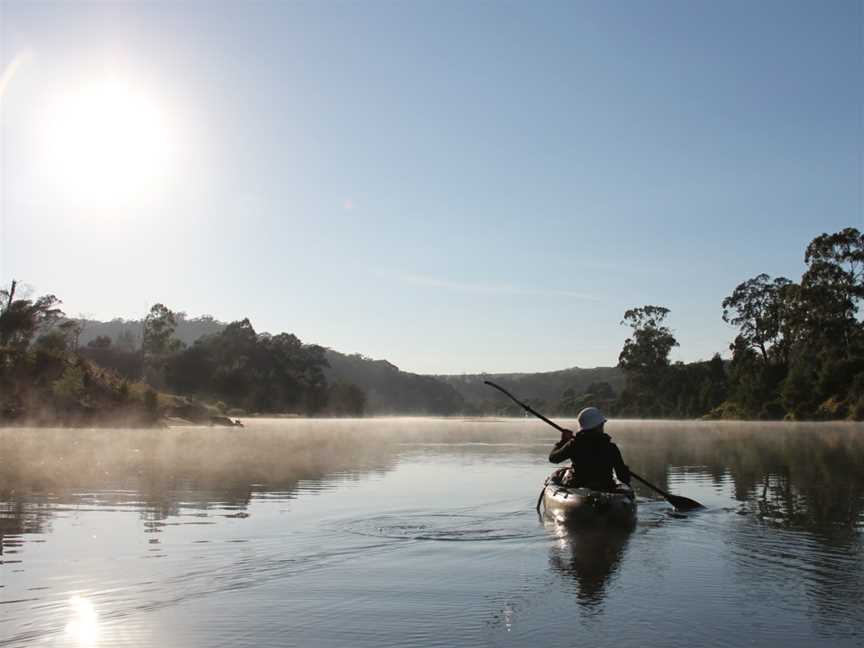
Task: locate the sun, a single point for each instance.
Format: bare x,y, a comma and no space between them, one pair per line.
107,142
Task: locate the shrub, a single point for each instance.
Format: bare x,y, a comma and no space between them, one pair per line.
69,388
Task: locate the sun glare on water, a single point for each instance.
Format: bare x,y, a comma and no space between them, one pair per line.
83,627
106,143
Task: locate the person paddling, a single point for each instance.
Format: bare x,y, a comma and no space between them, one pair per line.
592,454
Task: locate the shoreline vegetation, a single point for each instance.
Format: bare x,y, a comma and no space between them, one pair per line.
798,355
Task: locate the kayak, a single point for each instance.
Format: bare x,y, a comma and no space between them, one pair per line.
584,505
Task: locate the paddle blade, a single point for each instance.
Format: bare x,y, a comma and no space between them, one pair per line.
683,503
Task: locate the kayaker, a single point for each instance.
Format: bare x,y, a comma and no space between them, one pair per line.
592,453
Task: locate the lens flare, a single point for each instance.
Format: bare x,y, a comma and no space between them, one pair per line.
8,73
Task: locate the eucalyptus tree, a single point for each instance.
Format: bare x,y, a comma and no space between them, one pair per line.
159,327
21,319
800,347
833,288
647,351
158,342
645,360
758,308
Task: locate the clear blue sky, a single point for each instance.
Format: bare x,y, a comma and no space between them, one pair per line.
456,187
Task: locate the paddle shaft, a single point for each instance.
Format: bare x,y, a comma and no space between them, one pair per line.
676,500
527,408
652,486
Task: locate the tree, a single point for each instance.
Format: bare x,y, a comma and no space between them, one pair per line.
567,404
258,372
69,388
151,404
757,308
597,394
647,351
53,342
158,342
100,342
314,381
797,392
838,259
345,399
126,340
800,347
714,386
159,326
601,389
645,361
71,330
233,353
21,319
833,286
190,371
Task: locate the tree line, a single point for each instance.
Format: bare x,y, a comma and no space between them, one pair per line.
46,376
241,369
798,353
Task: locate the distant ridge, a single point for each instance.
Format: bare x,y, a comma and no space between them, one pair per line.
188,329
389,390
546,386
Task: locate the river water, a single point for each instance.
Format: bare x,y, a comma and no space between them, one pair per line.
422,532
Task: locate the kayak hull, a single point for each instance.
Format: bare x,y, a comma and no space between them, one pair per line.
587,506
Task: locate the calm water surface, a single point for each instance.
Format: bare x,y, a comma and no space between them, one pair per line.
422,532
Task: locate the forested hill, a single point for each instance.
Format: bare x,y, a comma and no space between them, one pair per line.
390,390
128,332
547,386
797,354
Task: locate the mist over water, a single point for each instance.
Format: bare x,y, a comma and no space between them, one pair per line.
421,531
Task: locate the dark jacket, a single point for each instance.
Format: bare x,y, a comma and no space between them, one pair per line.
594,457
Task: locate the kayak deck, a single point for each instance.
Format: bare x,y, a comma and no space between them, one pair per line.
584,505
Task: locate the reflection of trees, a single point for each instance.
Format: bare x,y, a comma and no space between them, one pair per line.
793,477
797,480
800,475
17,517
163,472
807,476
822,566
588,556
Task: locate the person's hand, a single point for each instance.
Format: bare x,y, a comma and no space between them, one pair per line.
566,435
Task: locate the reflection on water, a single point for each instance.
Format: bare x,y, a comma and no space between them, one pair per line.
418,532
587,556
160,472
83,626
794,475
797,475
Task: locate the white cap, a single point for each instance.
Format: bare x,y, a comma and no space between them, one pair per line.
590,418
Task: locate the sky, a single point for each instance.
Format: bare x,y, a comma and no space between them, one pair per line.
456,187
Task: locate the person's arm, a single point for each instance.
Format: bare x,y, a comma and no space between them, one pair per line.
561,451
621,469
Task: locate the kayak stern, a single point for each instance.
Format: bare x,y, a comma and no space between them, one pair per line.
584,505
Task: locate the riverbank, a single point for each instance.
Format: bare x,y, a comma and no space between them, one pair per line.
48,389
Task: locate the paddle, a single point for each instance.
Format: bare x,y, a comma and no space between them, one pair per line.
679,502
540,498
